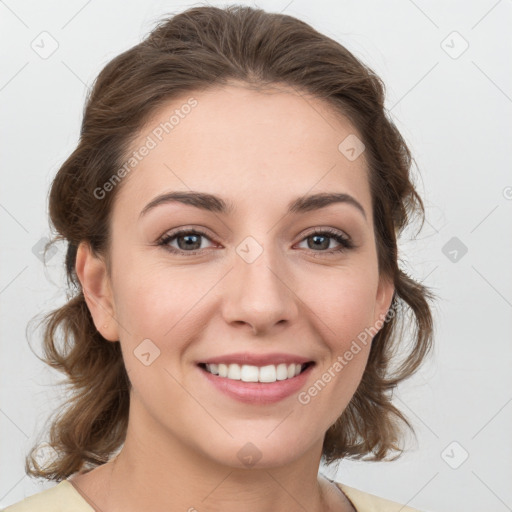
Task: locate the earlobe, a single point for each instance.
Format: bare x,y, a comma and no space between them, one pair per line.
92,272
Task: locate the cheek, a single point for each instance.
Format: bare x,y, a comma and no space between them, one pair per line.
156,315
344,303
151,300
344,315
162,305
345,320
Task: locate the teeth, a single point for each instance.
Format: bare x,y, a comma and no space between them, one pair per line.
249,373
234,372
268,373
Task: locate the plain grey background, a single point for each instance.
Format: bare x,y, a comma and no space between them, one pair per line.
446,66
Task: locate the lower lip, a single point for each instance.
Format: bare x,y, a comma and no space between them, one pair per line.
258,392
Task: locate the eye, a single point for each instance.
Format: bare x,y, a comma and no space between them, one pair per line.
186,239
321,239
189,241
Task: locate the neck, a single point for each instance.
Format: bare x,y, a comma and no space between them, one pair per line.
159,472
185,480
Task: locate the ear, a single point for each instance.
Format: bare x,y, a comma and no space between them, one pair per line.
383,299
92,273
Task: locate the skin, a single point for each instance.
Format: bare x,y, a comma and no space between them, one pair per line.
259,149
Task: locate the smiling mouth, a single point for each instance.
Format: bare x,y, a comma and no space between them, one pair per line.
250,373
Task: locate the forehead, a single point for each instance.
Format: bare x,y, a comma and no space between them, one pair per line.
254,147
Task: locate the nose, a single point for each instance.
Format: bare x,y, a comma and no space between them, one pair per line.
259,296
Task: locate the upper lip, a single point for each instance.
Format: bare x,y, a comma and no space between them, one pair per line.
242,358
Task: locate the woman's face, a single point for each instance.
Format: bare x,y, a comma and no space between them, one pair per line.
251,280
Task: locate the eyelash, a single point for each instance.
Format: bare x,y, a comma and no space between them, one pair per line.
345,242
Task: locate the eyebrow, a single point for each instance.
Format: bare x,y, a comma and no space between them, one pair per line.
216,204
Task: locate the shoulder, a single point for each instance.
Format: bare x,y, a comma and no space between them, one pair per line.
365,502
63,497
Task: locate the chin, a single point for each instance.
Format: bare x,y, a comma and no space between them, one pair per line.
261,450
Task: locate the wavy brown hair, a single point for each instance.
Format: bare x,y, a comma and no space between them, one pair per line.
192,51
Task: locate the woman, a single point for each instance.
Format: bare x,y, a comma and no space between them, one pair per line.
231,213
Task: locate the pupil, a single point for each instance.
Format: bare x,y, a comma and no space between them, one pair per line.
316,237
189,242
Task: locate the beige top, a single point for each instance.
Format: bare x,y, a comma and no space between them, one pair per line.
64,497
